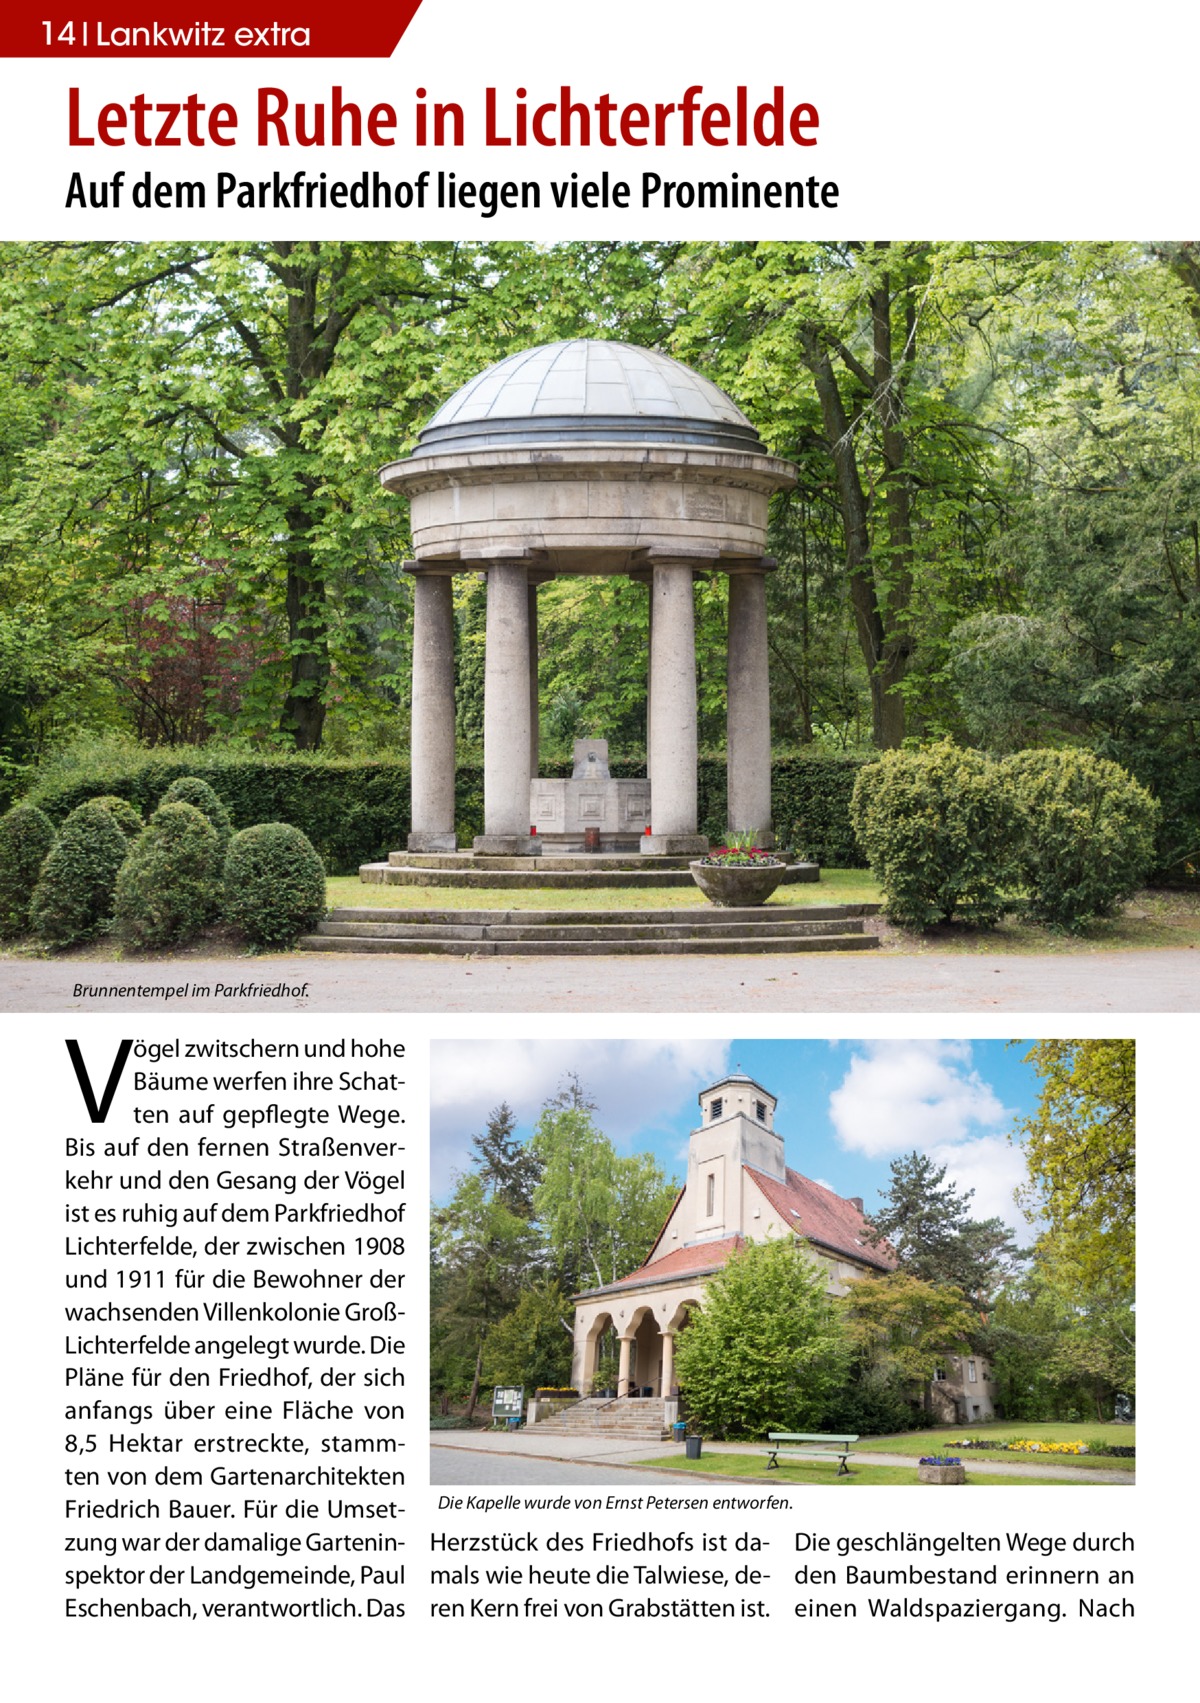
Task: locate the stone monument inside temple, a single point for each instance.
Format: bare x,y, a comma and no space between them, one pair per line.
615,812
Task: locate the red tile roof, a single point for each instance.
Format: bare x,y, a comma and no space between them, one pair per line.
824,1217
680,1262
812,1211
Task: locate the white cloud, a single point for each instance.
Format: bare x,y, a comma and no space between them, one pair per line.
994,1168
638,1086
926,1096
898,1095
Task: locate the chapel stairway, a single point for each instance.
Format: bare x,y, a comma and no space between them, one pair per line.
707,929
634,1417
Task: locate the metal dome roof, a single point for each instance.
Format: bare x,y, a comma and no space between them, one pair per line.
586,390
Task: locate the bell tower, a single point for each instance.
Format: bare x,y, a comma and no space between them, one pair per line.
737,1127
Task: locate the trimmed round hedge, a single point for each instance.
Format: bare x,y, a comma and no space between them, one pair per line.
190,789
1087,834
274,884
169,885
26,836
74,895
127,816
940,829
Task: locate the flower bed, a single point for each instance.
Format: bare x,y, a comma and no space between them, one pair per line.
1038,1446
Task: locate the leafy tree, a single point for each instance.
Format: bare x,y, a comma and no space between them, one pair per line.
600,1212
532,1344
1058,1348
924,1220
1079,1152
766,1351
901,1327
483,1254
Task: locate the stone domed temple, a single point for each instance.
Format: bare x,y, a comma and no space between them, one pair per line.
588,457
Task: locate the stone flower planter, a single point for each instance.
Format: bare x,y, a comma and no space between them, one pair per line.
941,1474
738,883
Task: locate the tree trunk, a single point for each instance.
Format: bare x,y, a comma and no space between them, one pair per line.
852,503
304,708
893,580
474,1395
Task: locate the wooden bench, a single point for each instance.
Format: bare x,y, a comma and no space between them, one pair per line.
825,1447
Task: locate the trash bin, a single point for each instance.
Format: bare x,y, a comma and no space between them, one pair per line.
680,1430
692,1448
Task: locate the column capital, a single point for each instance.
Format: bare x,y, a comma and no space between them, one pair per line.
424,569
755,565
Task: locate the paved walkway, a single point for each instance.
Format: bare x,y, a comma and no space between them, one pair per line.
1167,980
529,1445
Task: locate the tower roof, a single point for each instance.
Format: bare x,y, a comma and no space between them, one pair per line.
588,390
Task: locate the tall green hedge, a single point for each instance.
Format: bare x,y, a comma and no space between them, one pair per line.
356,810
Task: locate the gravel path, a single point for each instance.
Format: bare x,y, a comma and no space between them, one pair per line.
1164,980
517,1453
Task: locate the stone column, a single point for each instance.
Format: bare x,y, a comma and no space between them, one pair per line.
748,708
506,713
668,1363
533,680
672,753
649,670
623,1370
432,736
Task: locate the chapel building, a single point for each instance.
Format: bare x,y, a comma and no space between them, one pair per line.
739,1189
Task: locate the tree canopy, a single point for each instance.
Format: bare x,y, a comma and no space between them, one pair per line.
1080,1152
767,1351
924,1220
995,534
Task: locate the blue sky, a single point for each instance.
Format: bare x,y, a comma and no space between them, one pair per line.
846,1108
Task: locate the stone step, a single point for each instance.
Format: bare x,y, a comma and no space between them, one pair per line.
585,931
655,1434
700,943
525,874
702,916
631,860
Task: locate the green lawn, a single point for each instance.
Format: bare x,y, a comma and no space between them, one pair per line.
942,1440
836,887
1152,918
823,1472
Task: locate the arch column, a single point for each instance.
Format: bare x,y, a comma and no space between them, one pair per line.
432,735
668,1363
626,1343
506,697
748,707
672,743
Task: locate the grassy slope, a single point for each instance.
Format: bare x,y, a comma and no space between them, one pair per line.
836,887
942,1441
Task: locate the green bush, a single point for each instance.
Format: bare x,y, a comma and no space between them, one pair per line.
1087,834
169,885
127,817
939,828
74,895
26,836
354,810
190,789
274,884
